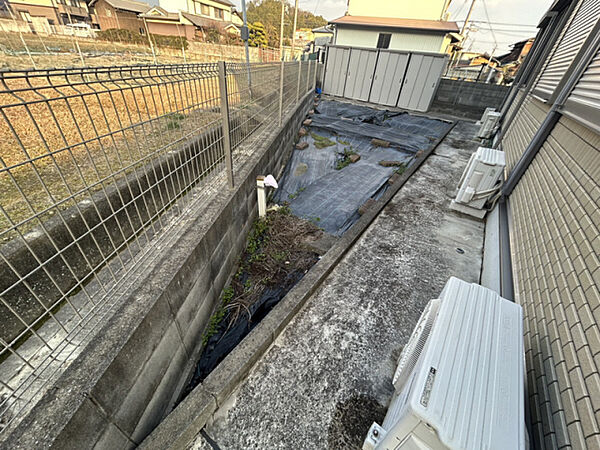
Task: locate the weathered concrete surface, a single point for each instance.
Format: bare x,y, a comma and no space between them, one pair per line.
328,375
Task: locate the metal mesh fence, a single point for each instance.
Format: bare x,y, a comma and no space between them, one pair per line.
96,164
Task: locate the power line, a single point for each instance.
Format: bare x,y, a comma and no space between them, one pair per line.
461,7
489,22
501,23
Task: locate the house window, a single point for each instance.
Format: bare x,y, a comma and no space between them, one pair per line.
384,40
205,10
219,13
142,31
25,16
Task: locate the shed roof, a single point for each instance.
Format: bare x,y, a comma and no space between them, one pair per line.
394,22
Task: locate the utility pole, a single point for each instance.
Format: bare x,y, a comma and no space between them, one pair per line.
281,32
462,31
294,29
245,36
445,9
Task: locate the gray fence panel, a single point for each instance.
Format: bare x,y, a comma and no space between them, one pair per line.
360,74
431,83
417,93
389,76
336,70
393,78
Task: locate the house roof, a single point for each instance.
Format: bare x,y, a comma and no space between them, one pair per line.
394,22
322,30
225,2
201,22
163,14
127,5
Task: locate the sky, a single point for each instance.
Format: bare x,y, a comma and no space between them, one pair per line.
510,16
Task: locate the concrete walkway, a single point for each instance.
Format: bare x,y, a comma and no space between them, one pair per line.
328,375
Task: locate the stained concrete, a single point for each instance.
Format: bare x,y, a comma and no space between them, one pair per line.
328,375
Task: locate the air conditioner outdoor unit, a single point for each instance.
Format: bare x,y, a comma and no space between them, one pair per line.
479,181
488,124
485,115
460,381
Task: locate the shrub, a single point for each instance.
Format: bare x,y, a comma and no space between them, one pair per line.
133,37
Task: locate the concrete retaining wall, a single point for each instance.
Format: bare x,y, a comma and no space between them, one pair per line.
466,98
132,371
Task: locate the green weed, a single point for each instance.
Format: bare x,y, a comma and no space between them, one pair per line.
400,170
345,160
218,316
321,141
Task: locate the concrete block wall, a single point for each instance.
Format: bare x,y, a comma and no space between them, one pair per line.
98,226
468,98
132,372
555,241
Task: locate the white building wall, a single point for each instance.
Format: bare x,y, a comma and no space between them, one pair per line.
411,41
407,9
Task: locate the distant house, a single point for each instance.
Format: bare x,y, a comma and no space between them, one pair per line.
322,36
42,13
124,14
519,50
512,61
218,14
201,24
160,21
411,26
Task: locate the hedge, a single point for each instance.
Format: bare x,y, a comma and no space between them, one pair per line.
133,37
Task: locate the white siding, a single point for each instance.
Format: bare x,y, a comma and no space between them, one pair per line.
410,41
409,9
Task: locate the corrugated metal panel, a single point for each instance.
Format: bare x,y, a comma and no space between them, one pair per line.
578,29
583,104
337,68
389,76
360,74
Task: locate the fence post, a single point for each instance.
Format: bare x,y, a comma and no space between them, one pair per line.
308,76
315,77
299,77
225,121
281,93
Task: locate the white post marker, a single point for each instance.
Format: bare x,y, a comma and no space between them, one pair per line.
262,183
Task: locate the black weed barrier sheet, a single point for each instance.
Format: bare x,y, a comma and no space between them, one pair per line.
318,189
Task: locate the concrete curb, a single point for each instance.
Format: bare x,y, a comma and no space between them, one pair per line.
181,426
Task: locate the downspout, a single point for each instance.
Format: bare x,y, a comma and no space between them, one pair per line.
580,64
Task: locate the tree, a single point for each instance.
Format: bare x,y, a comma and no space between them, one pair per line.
258,35
268,13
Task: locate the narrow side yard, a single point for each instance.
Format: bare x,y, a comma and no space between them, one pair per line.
328,375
